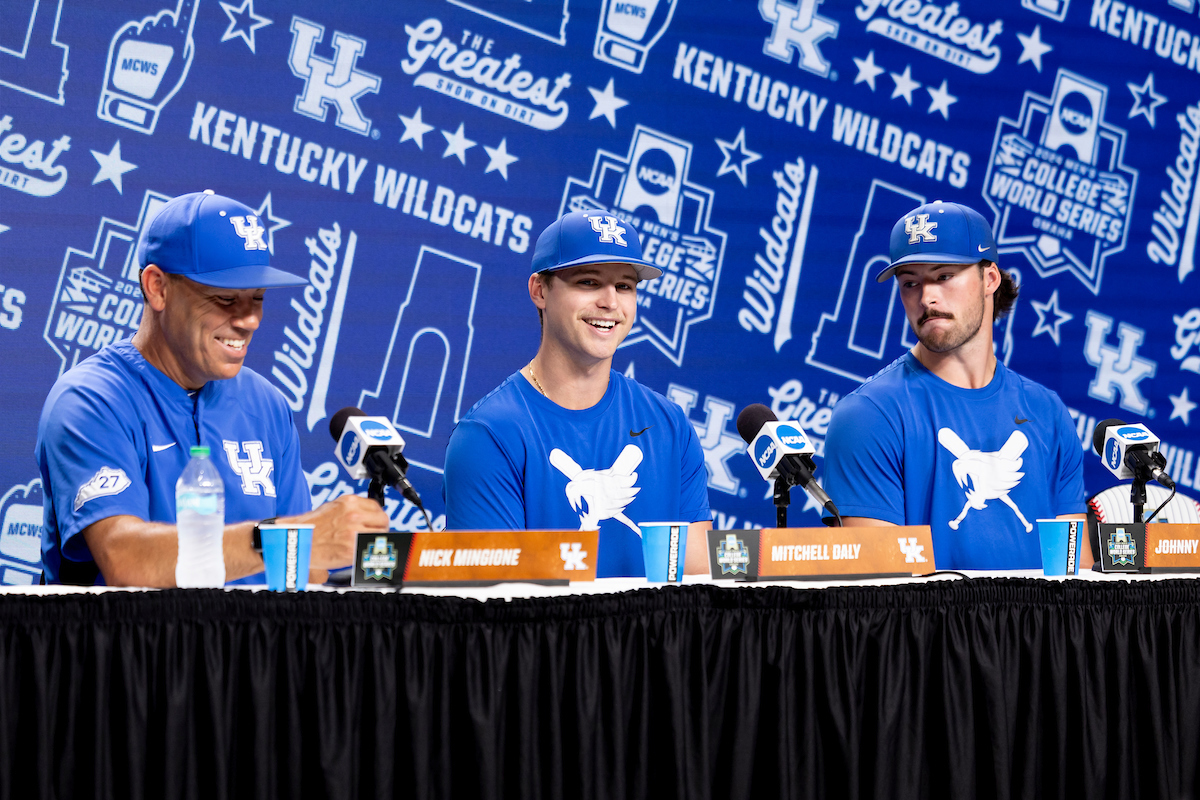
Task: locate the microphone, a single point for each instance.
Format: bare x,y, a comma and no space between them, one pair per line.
369,447
1130,451
781,451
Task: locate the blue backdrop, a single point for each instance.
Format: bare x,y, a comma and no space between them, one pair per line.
405,155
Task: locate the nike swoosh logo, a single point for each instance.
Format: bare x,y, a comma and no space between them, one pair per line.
639,433
1020,421
982,249
158,448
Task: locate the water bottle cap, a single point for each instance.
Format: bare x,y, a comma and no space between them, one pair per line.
200,450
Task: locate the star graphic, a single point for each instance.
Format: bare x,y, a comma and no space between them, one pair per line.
1050,307
867,70
940,100
243,22
607,103
4,228
112,167
273,223
415,129
904,84
1140,106
1183,406
499,159
457,144
729,149
1033,48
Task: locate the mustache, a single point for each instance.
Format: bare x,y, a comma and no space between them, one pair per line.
932,314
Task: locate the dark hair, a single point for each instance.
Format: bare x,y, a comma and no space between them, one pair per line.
1006,293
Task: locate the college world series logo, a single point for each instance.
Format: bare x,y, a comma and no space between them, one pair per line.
98,299
649,187
1058,182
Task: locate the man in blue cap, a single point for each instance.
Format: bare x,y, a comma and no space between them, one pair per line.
946,435
116,430
566,442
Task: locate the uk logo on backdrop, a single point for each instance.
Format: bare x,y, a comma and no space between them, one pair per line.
98,299
798,28
336,82
1058,182
649,187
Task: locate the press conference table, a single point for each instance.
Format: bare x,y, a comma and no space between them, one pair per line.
980,686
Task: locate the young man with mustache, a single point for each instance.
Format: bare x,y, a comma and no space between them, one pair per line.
947,435
567,442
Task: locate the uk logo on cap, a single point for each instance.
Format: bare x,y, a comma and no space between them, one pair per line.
252,232
610,229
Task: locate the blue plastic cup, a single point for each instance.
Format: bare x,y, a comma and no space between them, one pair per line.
664,547
1060,545
286,550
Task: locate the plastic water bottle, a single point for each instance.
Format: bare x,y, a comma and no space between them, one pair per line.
200,518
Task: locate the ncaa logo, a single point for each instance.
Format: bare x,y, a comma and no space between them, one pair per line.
791,436
375,430
350,446
1112,454
764,452
1134,433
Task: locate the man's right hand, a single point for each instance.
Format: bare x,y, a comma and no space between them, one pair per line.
334,527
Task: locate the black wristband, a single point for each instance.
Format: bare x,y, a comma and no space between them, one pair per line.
256,534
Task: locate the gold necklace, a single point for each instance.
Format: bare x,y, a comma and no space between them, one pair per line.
536,383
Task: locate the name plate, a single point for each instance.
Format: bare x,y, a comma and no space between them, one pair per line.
473,558
1172,547
781,553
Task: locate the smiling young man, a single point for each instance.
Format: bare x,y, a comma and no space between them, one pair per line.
566,442
116,430
946,435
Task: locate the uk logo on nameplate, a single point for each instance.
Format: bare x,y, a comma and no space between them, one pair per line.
474,558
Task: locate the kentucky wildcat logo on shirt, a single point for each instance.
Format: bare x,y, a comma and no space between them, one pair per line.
601,493
986,476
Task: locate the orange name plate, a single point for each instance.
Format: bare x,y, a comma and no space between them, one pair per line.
474,557
1172,547
860,552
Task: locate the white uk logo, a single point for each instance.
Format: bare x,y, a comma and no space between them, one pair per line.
600,494
920,229
610,230
249,229
254,470
1117,368
913,552
573,555
986,476
325,82
719,444
797,27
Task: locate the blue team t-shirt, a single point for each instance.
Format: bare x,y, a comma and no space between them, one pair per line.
979,466
519,461
115,434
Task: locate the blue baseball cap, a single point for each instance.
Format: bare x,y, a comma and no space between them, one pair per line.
213,240
940,233
590,237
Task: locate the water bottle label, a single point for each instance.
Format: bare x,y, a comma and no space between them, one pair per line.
197,503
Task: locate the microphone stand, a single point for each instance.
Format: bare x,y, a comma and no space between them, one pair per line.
783,497
375,491
1137,495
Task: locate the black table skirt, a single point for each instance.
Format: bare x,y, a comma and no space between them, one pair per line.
968,689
